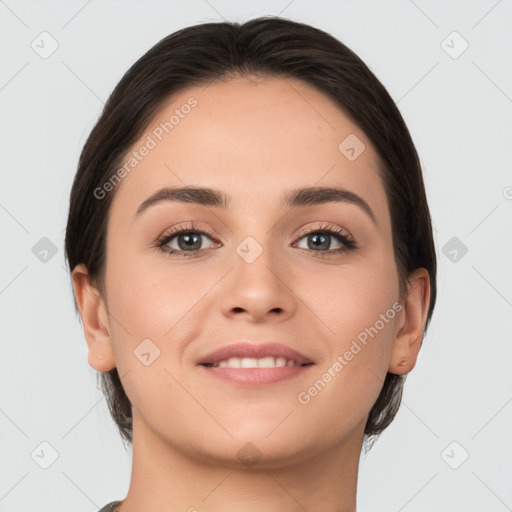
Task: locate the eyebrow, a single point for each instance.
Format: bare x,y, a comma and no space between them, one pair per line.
304,196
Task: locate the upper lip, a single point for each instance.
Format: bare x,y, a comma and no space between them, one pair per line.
253,350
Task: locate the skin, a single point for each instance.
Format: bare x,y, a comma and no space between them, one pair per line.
253,139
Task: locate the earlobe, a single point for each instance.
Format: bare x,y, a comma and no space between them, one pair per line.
411,326
94,319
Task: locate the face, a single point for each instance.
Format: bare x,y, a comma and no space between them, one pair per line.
259,276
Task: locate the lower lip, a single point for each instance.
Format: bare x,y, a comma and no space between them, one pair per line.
256,376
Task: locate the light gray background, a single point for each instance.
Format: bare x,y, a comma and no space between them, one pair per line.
459,111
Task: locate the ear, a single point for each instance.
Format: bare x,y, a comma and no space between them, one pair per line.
411,325
94,319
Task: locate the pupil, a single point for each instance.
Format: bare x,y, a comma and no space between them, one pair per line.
317,243
194,239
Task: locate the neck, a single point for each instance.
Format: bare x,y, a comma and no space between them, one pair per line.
166,478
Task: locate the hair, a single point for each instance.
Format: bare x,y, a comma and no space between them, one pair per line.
267,46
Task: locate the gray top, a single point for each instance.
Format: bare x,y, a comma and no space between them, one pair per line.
110,506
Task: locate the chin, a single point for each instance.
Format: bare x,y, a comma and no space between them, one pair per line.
256,454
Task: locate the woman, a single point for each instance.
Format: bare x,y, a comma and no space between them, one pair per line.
253,262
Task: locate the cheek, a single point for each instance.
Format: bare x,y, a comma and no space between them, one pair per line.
152,300
151,308
352,298
358,308
348,382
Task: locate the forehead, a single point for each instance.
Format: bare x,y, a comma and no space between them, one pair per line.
253,138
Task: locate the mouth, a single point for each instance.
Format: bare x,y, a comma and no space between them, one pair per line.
253,364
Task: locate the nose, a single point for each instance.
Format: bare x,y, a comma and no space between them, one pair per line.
258,289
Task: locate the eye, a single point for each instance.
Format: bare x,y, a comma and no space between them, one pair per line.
188,241
320,240
185,240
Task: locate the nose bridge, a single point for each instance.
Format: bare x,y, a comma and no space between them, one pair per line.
254,263
256,284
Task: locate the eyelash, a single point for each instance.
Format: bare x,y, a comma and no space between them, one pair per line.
348,242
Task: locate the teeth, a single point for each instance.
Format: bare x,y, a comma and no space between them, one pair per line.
251,362
280,361
248,362
266,362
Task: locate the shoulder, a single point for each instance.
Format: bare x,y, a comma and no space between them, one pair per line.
110,506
